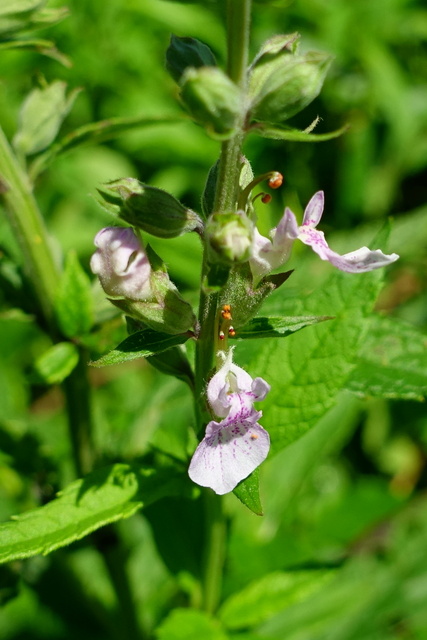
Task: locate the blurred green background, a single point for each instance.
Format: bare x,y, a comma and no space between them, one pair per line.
352,506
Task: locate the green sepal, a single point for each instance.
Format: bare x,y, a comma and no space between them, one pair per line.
148,208
141,344
244,298
213,100
248,493
283,83
276,327
187,52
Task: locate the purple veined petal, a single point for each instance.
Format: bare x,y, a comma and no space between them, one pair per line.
361,260
229,455
260,388
229,379
314,210
121,264
316,240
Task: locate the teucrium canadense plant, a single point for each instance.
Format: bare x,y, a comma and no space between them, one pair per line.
297,381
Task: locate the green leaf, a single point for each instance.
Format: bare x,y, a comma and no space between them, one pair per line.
74,304
140,345
248,493
294,135
56,363
104,496
274,592
42,114
189,624
307,371
393,362
44,47
277,327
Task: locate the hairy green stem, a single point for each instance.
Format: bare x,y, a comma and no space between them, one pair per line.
226,198
28,225
213,560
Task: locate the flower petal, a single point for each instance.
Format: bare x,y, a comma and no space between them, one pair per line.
229,454
314,210
121,264
361,260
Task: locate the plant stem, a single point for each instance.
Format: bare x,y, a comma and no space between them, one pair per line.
28,225
78,398
213,561
226,198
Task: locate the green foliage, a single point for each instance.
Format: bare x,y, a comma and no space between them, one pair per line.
141,344
318,360
340,550
56,363
105,496
74,303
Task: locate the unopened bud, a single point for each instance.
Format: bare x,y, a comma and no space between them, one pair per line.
286,84
230,237
187,52
212,99
149,208
121,264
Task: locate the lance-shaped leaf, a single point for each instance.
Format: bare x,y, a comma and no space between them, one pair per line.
276,327
104,496
140,345
248,493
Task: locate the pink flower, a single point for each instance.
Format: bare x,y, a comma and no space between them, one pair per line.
237,445
270,254
121,264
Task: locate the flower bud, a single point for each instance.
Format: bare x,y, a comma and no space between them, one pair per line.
149,208
212,99
285,84
121,264
187,52
229,237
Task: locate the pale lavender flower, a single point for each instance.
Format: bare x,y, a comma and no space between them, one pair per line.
237,445
270,254
121,264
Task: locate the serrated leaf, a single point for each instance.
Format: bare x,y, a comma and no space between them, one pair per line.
276,327
56,363
307,371
104,496
74,304
41,116
273,593
189,624
140,345
393,362
248,493
294,135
